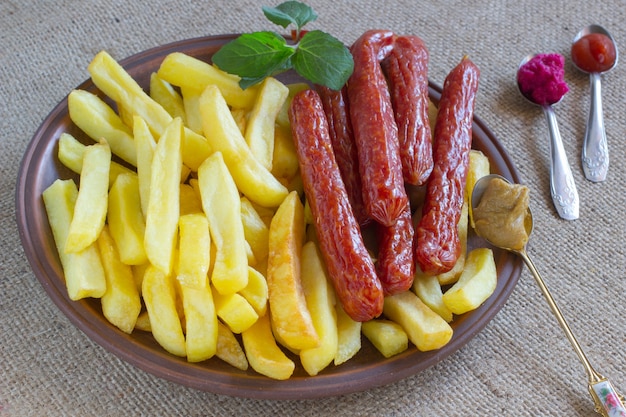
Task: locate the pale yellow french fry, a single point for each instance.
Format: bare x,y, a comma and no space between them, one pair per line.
185,71
223,135
256,292
425,328
283,116
348,336
71,153
241,118
121,304
289,312
228,348
92,202
163,93
83,271
255,230
98,120
428,289
145,147
235,311
476,284
320,299
192,113
194,255
189,200
221,204
111,78
163,206
159,296
387,336
260,127
285,160
126,222
200,322
478,168
143,322
264,355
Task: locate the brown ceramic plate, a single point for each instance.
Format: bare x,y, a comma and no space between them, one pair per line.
40,167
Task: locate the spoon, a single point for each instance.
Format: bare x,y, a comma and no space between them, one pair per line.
607,400
562,186
595,155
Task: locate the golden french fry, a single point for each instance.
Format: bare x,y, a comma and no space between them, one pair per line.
71,153
143,322
109,76
145,147
84,274
255,230
92,201
126,223
194,255
263,353
320,300
425,328
163,206
260,127
223,135
185,71
235,311
289,312
476,284
163,93
348,336
190,202
428,289
228,348
241,118
121,304
159,296
98,120
200,322
256,292
285,160
192,113
221,204
387,336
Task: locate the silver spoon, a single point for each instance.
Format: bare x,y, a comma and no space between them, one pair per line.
595,155
608,401
562,186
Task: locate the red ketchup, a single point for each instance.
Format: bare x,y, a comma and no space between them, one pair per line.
594,52
541,79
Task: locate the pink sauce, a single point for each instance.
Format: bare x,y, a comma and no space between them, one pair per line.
541,79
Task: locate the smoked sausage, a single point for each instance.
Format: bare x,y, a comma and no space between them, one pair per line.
438,246
336,107
375,129
394,264
406,68
349,265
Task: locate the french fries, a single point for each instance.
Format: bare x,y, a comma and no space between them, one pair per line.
204,241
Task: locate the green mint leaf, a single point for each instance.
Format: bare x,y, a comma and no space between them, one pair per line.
254,56
323,59
290,12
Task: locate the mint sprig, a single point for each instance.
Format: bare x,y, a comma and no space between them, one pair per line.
315,55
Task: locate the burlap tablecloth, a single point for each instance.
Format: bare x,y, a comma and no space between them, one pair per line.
520,364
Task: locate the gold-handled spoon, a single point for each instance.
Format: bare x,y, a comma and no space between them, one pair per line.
607,400
594,51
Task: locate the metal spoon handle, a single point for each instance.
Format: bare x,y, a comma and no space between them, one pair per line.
595,156
608,401
562,186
